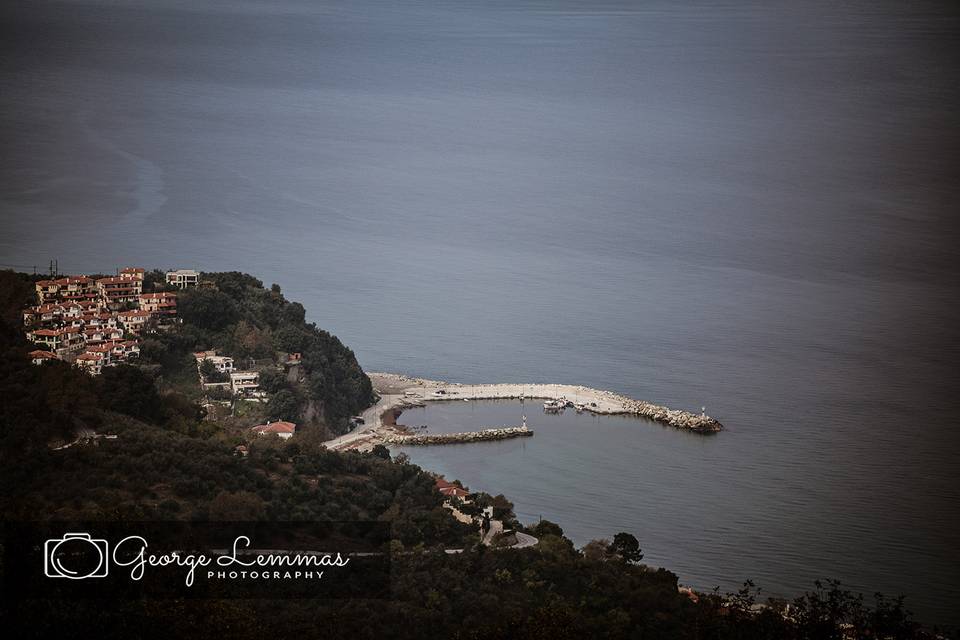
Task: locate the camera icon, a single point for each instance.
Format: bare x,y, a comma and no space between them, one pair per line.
75,556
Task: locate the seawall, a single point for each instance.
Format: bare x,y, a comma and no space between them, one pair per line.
501,433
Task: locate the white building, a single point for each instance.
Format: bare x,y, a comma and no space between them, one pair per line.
183,278
244,382
223,364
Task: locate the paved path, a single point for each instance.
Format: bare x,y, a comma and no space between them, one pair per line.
372,423
524,540
496,526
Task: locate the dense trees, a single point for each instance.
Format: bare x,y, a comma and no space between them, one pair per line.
596,549
546,528
274,381
283,406
17,291
161,466
625,547
206,308
131,391
239,317
43,404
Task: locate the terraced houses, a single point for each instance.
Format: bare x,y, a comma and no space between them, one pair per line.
95,322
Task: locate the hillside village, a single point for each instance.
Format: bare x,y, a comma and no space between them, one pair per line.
99,322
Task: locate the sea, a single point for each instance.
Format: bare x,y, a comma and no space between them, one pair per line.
747,207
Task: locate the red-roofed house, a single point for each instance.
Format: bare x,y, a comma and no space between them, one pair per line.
133,321
42,315
47,290
161,304
106,350
121,350
102,320
59,341
50,338
120,290
92,363
280,428
39,357
451,490
97,334
71,287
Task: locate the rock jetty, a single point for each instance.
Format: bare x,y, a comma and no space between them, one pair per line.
501,433
673,417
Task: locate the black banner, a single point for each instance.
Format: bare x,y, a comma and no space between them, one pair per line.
137,560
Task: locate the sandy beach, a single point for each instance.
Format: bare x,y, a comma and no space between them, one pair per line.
398,392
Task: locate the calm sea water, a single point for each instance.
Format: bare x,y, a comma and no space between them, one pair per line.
747,206
697,504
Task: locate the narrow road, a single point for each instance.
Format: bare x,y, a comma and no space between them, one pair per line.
496,527
524,540
371,422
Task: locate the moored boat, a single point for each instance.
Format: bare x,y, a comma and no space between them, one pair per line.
553,406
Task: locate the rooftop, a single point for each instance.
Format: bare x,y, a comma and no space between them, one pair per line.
275,427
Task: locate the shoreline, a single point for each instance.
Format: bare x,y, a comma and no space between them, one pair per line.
398,392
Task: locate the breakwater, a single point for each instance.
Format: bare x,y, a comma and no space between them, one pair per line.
673,417
501,433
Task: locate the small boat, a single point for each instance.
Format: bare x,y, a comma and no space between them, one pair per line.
580,407
554,406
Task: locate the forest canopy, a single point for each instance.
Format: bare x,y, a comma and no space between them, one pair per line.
236,316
